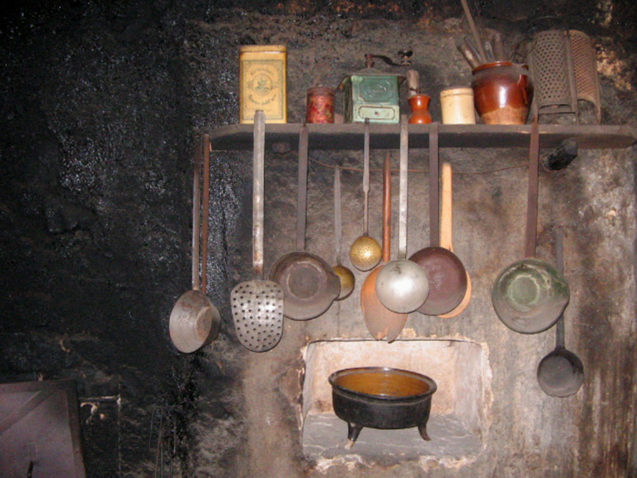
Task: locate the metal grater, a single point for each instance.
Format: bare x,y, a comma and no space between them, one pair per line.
563,66
585,68
554,83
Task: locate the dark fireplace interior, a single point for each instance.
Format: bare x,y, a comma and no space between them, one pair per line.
104,107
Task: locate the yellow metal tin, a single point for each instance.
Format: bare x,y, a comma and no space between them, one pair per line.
263,82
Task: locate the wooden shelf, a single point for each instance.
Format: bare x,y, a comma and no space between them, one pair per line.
349,136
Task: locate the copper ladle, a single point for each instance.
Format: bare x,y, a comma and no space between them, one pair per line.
381,322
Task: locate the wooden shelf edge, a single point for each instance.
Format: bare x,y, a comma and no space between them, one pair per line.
349,136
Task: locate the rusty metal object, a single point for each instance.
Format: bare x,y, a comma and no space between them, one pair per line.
529,295
320,105
560,373
381,397
585,70
257,305
402,285
445,273
308,282
365,252
194,320
382,323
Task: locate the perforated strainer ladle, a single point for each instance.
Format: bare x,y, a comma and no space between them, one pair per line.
257,305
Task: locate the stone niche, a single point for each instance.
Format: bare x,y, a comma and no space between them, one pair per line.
461,407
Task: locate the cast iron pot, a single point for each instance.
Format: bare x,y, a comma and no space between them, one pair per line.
381,397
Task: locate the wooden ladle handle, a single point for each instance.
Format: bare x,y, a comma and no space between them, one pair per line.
446,215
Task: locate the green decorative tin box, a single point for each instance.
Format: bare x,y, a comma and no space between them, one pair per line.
371,94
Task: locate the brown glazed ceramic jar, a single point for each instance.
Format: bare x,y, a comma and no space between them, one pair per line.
419,105
502,92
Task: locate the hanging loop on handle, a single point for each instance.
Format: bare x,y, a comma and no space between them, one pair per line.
258,159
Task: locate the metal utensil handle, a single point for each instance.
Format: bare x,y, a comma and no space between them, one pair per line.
446,214
559,259
301,202
532,202
366,178
205,206
337,213
474,30
258,166
387,209
434,192
402,194
196,214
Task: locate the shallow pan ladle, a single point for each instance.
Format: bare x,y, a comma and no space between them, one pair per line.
560,373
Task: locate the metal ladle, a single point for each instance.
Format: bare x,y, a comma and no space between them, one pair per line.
345,275
365,252
381,322
194,320
402,285
257,305
561,372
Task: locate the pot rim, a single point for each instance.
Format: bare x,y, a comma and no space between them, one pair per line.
496,64
433,386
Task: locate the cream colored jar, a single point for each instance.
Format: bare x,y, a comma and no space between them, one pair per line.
457,106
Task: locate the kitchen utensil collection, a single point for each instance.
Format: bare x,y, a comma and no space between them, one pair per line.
382,323
560,373
194,319
257,305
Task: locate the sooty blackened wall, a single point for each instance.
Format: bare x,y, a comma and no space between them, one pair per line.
102,106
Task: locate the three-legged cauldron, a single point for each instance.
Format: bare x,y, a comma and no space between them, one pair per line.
381,397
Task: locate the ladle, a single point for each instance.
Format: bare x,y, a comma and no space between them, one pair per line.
381,322
561,372
402,285
445,272
308,282
529,295
257,305
194,320
365,252
446,231
345,275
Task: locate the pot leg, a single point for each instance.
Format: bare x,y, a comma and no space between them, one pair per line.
422,428
353,431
